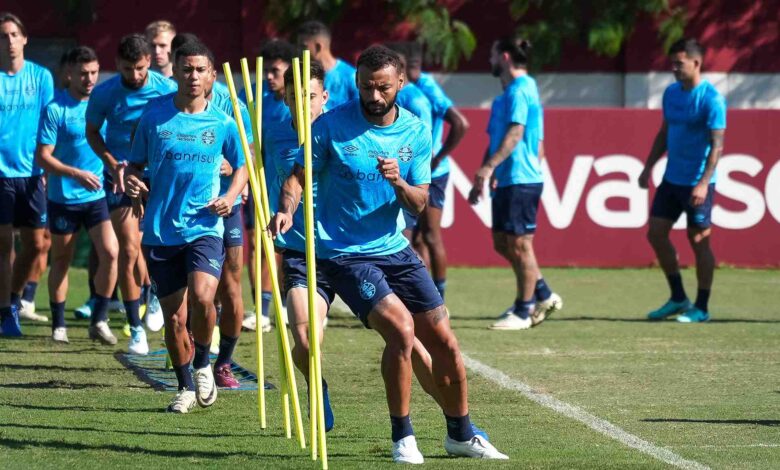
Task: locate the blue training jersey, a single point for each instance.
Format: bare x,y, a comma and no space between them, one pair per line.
121,107
280,148
23,97
413,100
183,153
274,110
519,104
357,210
440,104
220,97
691,116
63,125
340,83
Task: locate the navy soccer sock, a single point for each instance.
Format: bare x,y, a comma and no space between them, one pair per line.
132,308
401,427
100,310
201,358
184,377
266,296
459,429
57,314
702,299
28,294
91,288
523,309
227,344
676,286
542,291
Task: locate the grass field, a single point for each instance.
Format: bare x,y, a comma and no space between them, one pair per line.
709,393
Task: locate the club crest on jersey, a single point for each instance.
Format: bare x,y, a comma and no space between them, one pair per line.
165,134
208,137
30,89
405,153
367,290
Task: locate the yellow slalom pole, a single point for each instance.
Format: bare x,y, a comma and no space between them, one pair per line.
298,104
311,267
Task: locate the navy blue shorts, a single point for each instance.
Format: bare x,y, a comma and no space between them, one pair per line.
116,201
234,228
23,202
249,213
65,219
362,281
436,191
169,266
410,221
515,207
294,269
671,200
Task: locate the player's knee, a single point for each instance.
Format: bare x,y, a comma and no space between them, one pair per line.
202,296
128,253
40,244
60,261
432,237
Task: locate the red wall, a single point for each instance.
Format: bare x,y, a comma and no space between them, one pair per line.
609,147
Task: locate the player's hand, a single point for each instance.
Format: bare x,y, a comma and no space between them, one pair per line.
88,180
118,173
245,194
219,206
476,194
493,182
389,169
280,223
644,179
225,169
135,187
699,194
483,174
138,207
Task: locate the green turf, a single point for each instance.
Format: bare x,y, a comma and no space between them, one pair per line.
707,392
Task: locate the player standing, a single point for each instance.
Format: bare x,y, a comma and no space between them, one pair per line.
182,140
339,75
692,136
160,34
76,196
516,130
25,89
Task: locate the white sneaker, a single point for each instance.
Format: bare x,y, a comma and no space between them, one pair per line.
511,321
28,312
265,323
405,451
155,320
205,387
250,321
138,343
60,335
183,402
215,337
476,448
545,308
116,306
102,333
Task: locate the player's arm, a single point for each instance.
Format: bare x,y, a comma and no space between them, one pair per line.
656,152
699,193
413,198
52,165
458,127
289,199
95,140
512,137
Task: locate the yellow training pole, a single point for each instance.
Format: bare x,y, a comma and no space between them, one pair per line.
298,104
311,267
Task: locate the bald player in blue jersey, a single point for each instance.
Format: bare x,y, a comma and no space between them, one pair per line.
25,89
692,136
182,140
118,102
513,160
76,197
372,158
339,75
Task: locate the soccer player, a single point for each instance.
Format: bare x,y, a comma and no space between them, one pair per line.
25,89
339,75
118,102
691,135
182,140
76,196
160,33
516,129
427,237
372,158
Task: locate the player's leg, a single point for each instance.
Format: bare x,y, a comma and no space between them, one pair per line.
85,310
430,228
8,313
28,293
699,231
30,218
62,248
418,242
104,240
129,237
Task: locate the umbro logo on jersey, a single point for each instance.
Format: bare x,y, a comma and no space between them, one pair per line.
208,137
405,153
289,152
165,134
235,233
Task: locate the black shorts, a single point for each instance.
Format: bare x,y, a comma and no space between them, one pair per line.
169,266
23,202
66,219
514,208
671,200
234,228
294,269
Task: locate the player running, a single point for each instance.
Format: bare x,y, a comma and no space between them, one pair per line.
692,136
182,140
372,158
25,89
516,130
76,196
339,75
160,34
118,102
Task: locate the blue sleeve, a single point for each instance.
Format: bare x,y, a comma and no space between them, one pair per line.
420,170
96,111
50,123
440,102
320,138
247,123
231,146
47,89
716,118
541,122
140,150
242,96
517,107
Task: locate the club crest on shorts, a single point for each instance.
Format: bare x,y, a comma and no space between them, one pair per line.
367,290
208,137
405,153
61,223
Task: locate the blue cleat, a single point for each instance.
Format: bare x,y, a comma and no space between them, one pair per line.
330,420
668,309
10,323
479,432
694,315
85,311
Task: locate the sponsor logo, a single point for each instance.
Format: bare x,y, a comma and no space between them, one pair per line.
374,154
186,157
185,138
405,153
165,134
208,137
235,233
346,173
367,290
17,107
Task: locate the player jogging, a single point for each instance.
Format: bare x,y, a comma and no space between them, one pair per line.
692,136
339,75
160,33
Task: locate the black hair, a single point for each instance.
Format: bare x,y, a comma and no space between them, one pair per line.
378,57
278,49
7,16
690,46
182,39
133,47
317,73
195,48
312,28
517,48
81,55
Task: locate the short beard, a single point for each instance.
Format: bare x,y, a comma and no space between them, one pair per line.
383,112
133,86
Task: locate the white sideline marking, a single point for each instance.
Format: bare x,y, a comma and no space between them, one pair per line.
574,412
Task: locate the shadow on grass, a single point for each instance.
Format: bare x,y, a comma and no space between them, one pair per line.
139,433
643,320
60,384
758,422
87,409
57,351
33,367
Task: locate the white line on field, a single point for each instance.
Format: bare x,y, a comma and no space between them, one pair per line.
574,412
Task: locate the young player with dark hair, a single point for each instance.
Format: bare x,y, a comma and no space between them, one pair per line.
339,75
